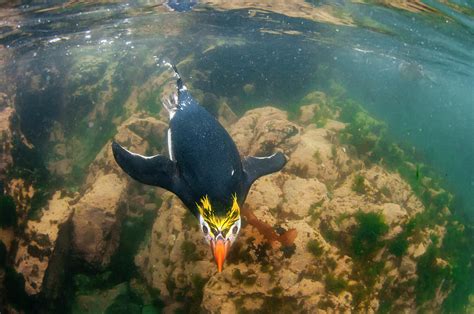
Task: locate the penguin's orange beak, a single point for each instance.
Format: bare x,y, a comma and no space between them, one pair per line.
220,248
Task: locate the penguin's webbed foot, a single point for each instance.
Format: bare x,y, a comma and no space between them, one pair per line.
286,238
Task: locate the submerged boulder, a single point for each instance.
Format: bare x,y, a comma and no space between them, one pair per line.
42,255
97,218
99,212
6,138
262,131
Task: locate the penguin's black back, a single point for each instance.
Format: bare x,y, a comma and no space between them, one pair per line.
206,157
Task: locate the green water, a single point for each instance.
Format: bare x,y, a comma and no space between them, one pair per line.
400,76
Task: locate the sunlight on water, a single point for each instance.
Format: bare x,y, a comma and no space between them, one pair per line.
370,101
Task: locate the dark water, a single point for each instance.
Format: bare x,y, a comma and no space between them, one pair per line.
408,63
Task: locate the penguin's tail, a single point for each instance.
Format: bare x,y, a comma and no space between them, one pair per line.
172,90
179,81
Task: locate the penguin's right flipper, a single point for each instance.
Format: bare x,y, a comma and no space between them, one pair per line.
156,170
256,167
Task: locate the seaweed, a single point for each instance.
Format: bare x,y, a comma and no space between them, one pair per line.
279,304
399,245
366,240
430,275
198,283
457,250
188,249
364,133
359,184
3,254
335,284
126,304
313,210
150,103
317,157
314,247
8,216
15,290
134,230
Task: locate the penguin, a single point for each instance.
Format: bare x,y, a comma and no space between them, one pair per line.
204,169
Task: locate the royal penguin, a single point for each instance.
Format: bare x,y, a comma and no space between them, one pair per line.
203,168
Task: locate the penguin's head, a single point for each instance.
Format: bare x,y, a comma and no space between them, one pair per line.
220,231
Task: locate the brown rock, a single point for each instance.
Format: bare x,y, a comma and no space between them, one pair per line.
393,213
307,113
262,131
42,255
300,194
175,252
314,157
97,219
6,138
334,125
61,167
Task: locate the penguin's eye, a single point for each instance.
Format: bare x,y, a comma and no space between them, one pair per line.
205,230
235,229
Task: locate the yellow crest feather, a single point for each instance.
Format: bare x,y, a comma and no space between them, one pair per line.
219,223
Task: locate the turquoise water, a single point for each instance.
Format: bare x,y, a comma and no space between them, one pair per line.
409,64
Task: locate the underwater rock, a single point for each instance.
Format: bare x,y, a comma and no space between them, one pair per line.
61,167
175,254
262,131
99,212
22,192
393,213
316,156
113,300
307,113
42,254
265,196
6,138
97,218
300,194
225,115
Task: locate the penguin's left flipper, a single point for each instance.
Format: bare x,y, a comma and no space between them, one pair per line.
156,170
256,167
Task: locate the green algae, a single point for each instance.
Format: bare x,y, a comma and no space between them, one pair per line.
314,247
399,245
335,284
366,239
430,275
3,254
279,304
188,249
15,290
8,216
117,299
358,185
457,250
191,299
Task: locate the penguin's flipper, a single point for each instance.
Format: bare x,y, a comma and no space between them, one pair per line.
156,170
256,167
